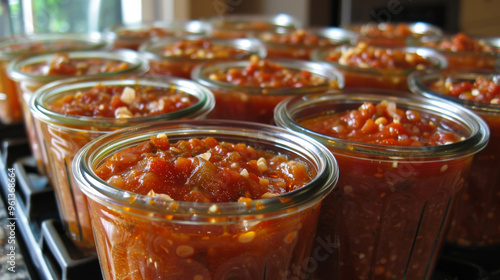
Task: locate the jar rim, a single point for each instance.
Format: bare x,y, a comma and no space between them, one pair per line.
334,34
418,83
150,48
287,111
324,70
418,27
138,64
437,59
189,26
493,41
93,153
206,100
92,40
278,20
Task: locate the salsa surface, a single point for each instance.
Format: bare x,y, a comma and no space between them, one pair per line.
200,49
62,64
299,37
266,74
482,89
122,102
383,124
460,42
388,30
203,170
390,212
366,56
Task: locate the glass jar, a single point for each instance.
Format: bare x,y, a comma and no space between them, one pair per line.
145,237
394,78
30,80
248,25
300,42
476,220
29,45
255,103
464,51
64,134
133,35
393,34
182,65
390,209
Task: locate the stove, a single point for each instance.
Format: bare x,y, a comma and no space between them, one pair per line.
49,254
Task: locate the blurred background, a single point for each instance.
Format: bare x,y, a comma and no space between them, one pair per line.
475,17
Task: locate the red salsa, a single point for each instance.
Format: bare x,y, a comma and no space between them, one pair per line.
387,30
464,51
481,89
219,245
203,170
388,212
251,90
147,32
266,74
368,57
392,34
200,49
179,58
296,44
244,28
463,43
475,222
383,124
62,64
121,102
296,37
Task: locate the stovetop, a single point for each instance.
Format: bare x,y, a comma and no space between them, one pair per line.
47,253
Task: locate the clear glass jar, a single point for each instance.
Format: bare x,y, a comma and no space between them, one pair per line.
248,25
367,77
391,205
476,220
255,103
29,45
63,135
452,48
393,34
133,35
300,42
145,237
29,81
181,66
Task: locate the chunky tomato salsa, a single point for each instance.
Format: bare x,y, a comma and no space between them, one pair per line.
482,89
365,56
203,170
383,124
146,32
266,74
296,37
121,101
62,64
388,211
460,42
387,30
201,49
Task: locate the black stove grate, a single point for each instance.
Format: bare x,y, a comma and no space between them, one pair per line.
49,254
